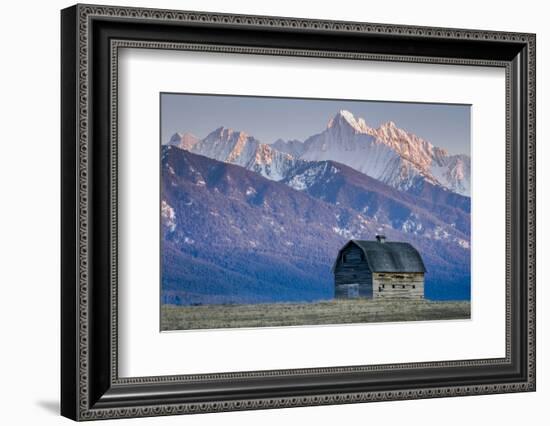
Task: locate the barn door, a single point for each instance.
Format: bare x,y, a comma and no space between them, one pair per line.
353,291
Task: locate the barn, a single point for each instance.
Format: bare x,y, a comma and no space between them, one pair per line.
379,270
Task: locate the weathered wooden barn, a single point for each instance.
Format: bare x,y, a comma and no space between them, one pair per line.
378,269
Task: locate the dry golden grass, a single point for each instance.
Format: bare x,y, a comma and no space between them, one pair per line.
329,312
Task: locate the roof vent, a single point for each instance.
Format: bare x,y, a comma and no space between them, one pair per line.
381,238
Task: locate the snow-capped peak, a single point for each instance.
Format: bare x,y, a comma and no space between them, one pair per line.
345,117
387,153
237,147
388,125
226,133
183,140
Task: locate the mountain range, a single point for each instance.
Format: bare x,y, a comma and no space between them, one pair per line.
387,153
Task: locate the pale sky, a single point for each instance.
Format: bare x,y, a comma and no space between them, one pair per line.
270,118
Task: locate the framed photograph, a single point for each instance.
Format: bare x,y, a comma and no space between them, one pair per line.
263,212
350,223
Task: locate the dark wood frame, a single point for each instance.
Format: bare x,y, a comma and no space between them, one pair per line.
90,386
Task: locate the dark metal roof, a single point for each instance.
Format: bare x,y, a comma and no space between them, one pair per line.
391,256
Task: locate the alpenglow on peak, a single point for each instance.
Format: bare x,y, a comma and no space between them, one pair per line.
387,153
345,117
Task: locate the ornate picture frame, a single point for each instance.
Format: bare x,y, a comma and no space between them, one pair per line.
91,37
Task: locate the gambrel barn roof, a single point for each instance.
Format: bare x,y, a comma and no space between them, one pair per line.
388,256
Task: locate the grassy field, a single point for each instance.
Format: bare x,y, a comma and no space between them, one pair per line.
329,312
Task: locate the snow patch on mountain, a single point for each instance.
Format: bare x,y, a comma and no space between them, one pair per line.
412,225
455,171
463,243
343,232
311,175
168,216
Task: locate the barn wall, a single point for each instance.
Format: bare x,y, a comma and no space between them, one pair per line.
354,270
398,285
